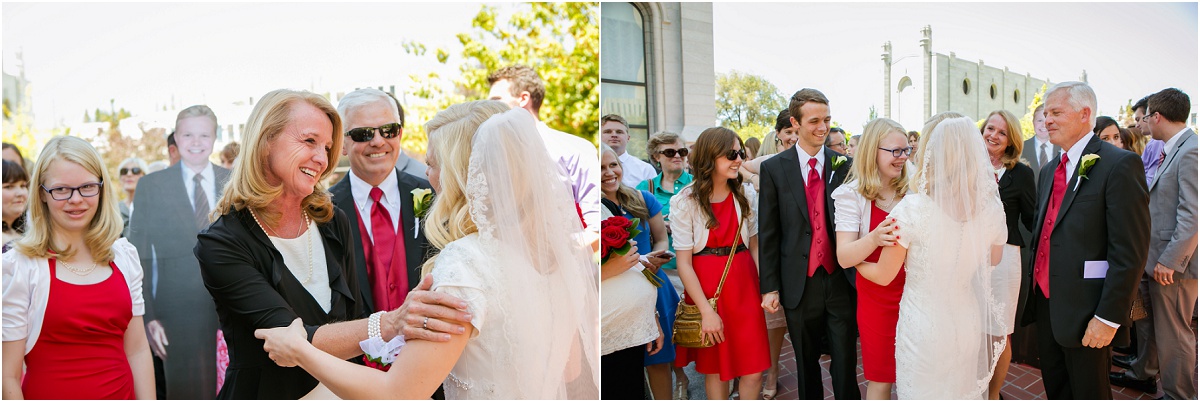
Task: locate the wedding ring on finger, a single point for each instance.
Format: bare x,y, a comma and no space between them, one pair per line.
425,324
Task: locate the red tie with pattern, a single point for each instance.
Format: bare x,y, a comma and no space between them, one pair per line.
1041,265
821,253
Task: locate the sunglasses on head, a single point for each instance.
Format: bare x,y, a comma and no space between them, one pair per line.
734,154
670,153
134,170
364,134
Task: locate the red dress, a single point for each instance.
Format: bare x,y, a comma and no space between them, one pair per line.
745,350
878,311
80,353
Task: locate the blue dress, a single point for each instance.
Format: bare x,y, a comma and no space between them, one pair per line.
668,300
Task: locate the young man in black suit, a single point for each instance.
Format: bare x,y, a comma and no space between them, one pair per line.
799,269
1090,244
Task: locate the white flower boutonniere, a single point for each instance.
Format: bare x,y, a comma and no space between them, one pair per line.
1086,163
422,199
838,161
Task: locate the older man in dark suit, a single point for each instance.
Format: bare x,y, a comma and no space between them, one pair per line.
171,206
389,247
1090,244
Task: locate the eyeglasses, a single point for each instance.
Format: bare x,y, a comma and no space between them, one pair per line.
65,193
364,134
734,154
1146,118
670,153
896,153
134,170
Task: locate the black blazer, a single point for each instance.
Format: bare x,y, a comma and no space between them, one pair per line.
1106,219
1029,153
253,289
1017,193
416,249
784,227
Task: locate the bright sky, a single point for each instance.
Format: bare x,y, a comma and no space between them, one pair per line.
78,56
1129,50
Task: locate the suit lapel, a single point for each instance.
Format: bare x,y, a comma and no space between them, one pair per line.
412,247
1044,187
1171,157
343,198
1093,147
793,173
178,195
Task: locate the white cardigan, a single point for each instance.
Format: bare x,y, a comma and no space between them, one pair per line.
689,229
27,290
852,212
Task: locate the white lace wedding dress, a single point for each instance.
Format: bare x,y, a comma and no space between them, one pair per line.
943,349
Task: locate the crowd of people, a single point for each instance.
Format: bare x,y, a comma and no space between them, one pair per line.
928,248
255,279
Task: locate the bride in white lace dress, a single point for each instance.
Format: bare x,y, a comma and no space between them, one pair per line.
950,236
509,237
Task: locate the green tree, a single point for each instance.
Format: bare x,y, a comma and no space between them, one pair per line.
559,40
747,99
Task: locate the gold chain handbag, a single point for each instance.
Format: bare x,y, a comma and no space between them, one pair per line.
687,331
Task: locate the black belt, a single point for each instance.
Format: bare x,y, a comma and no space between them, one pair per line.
721,250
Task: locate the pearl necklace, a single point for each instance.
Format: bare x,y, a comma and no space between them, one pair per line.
307,240
886,205
80,272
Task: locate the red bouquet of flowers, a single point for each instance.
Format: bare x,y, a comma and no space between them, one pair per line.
615,233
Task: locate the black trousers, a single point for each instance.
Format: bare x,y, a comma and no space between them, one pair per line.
623,374
827,309
1069,373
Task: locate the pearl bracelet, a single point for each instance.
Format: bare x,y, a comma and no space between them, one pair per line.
373,325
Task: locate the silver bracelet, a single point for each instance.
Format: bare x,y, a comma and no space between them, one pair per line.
373,325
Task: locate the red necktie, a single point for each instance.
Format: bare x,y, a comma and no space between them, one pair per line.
1041,265
383,241
821,252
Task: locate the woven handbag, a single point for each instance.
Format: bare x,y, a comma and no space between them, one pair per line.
1141,306
687,332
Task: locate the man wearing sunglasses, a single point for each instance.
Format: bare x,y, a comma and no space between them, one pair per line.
520,87
389,245
170,207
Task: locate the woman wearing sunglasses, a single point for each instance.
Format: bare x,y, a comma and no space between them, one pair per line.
875,185
73,288
132,169
705,221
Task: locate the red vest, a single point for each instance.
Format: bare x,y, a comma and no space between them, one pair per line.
821,252
389,286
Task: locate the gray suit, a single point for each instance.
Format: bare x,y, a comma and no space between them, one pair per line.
1173,244
163,228
1030,153
411,166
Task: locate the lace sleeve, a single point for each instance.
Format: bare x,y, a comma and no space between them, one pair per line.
905,213
456,275
995,219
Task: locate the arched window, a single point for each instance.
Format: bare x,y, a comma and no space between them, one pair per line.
623,70
905,82
966,86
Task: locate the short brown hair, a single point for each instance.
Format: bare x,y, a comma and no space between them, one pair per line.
1171,103
614,117
804,96
230,152
659,138
522,79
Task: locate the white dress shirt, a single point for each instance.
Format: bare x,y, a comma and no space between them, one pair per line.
634,170
577,157
361,191
207,179
804,157
1073,156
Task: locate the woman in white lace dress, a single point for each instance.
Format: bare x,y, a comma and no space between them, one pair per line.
949,238
508,233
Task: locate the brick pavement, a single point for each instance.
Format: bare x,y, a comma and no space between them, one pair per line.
1022,383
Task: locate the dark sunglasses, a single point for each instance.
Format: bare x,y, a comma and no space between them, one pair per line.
734,154
670,153
134,170
364,134
899,151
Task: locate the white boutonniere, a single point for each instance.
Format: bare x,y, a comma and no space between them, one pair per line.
422,199
1086,163
838,161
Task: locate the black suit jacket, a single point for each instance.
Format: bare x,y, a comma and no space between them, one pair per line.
253,289
1017,193
1107,218
416,249
163,229
785,230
